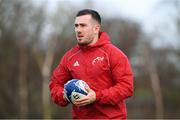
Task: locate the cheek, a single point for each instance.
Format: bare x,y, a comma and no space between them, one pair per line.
90,35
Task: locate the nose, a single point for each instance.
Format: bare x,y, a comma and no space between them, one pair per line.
78,30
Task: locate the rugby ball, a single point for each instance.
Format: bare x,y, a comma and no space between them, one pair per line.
75,89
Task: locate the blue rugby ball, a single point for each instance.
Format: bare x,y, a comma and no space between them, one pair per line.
75,89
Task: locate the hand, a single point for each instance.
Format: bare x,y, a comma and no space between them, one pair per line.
90,98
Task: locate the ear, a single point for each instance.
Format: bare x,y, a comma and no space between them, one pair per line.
97,28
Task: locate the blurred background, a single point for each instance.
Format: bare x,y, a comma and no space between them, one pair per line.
35,34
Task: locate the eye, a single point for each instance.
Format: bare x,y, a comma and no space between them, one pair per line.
76,25
83,25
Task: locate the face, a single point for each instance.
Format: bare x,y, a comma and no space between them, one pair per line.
86,30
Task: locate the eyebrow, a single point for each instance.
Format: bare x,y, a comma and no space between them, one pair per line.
81,24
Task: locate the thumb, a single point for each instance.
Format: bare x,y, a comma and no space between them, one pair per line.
87,89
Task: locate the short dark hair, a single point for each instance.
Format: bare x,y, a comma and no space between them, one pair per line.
95,15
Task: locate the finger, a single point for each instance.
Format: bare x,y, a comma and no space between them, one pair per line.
87,88
82,99
82,103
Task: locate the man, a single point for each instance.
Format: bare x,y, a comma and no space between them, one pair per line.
101,65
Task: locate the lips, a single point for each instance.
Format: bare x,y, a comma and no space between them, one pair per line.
80,36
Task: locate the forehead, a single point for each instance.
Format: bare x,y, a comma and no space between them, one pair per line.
83,19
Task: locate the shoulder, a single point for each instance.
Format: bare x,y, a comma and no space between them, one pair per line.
117,57
71,52
114,51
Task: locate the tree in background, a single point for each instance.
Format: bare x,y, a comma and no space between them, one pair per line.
17,20
32,41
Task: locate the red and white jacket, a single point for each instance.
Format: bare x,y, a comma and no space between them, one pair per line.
106,70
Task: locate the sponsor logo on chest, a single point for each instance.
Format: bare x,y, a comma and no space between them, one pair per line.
94,61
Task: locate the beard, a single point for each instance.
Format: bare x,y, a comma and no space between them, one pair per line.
85,42
82,44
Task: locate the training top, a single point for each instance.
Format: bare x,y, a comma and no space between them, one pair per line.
105,68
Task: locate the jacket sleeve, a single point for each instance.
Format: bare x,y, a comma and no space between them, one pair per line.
59,77
123,78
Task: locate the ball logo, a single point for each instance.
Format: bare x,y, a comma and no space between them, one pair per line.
76,96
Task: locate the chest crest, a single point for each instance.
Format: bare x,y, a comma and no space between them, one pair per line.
97,60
